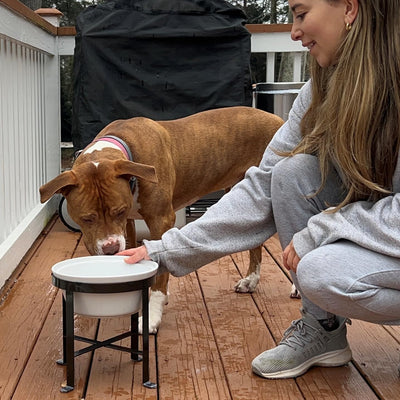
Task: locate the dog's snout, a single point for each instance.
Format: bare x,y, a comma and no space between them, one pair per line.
110,249
111,246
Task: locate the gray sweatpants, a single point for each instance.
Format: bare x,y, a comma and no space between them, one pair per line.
341,278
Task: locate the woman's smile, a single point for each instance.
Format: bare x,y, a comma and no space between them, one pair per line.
320,26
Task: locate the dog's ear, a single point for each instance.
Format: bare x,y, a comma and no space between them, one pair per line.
130,168
57,185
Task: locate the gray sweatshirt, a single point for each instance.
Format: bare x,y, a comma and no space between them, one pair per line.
242,219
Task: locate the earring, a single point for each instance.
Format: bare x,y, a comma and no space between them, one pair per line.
348,26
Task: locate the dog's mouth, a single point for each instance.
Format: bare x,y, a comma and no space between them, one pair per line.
112,245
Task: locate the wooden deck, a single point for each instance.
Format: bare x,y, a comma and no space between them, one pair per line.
203,350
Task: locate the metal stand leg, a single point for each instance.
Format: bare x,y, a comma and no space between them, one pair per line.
145,339
62,361
68,340
135,337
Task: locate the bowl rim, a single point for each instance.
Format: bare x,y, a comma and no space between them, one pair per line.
150,269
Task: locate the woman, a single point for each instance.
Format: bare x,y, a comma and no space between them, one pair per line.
328,184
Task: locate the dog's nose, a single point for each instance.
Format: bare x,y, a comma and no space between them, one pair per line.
110,247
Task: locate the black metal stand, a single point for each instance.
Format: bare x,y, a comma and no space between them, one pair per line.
69,353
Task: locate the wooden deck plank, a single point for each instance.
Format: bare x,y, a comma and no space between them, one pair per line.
240,334
207,339
26,307
42,374
114,375
42,378
9,284
278,309
272,294
189,363
394,330
376,352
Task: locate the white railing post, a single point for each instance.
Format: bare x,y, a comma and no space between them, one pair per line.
270,69
53,118
51,15
52,101
298,57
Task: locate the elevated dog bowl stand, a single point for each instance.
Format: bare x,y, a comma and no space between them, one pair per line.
69,353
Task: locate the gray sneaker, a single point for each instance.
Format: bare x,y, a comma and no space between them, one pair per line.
305,343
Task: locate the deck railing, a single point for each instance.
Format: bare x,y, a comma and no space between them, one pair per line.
30,128
30,132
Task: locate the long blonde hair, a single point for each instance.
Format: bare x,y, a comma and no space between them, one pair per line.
353,121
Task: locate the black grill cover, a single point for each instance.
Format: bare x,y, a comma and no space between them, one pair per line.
162,59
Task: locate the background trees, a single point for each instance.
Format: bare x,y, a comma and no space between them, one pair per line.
257,11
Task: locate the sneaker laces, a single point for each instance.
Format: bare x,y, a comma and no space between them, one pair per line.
298,335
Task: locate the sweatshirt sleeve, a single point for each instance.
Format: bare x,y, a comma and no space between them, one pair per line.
372,225
242,219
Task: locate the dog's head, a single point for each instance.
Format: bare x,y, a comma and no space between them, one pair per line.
99,200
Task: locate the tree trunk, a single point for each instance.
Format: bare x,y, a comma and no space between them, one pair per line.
33,4
273,19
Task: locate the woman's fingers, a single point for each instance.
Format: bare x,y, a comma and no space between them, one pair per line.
135,254
290,257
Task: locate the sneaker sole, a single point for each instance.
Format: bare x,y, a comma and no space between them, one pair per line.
335,358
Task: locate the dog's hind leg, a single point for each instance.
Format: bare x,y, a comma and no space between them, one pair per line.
294,293
249,282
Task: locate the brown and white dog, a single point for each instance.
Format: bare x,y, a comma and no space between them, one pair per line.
175,163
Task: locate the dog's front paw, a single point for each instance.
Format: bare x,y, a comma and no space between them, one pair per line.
294,293
156,306
153,325
247,284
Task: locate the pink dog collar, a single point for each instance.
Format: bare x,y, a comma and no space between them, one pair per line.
124,148
119,143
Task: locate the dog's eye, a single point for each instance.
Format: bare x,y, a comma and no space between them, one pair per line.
119,213
88,219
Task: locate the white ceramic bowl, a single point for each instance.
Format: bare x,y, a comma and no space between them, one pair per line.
104,269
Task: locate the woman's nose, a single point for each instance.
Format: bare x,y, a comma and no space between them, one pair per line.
295,33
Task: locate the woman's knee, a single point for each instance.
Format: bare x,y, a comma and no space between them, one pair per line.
318,276
346,279
310,275
295,169
327,274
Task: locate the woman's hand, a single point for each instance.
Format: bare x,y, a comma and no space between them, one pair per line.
135,254
290,257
